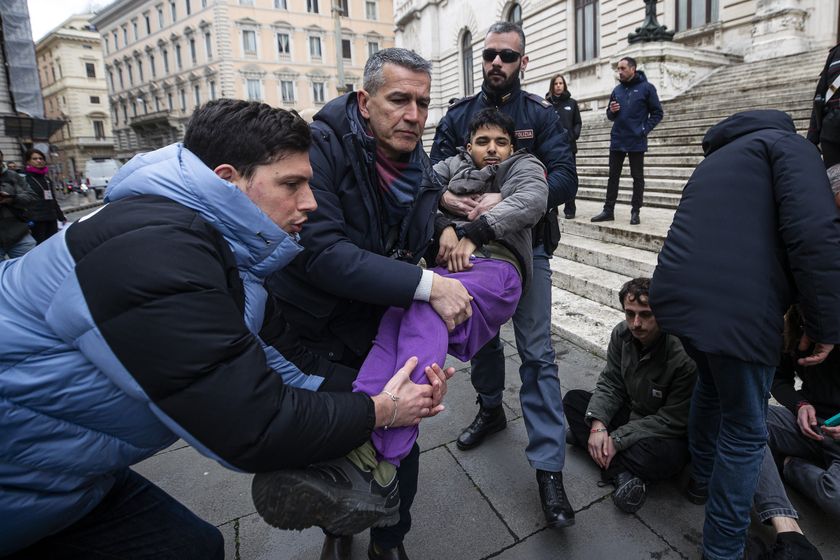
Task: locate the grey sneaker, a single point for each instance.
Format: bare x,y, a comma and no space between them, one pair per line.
336,496
630,492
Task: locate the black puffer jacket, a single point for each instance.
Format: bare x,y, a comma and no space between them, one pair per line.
756,227
46,209
821,109
336,291
567,109
12,229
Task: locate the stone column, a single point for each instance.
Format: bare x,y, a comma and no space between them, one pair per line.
778,29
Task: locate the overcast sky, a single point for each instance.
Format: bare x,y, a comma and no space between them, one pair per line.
46,15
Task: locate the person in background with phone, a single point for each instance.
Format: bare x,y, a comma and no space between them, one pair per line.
634,110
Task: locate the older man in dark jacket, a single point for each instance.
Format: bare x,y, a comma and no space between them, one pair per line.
377,199
755,229
634,109
15,198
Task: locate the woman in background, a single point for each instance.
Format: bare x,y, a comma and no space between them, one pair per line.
567,109
46,213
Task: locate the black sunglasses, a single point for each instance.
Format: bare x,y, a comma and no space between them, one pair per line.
507,55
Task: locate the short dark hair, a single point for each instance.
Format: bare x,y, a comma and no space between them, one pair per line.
508,27
31,152
492,117
244,134
631,62
637,288
374,76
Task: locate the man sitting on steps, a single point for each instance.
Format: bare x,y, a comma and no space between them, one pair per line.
635,423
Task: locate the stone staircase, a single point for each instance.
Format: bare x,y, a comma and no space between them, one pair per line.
674,146
594,260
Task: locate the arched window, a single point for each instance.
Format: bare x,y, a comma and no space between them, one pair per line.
515,15
467,63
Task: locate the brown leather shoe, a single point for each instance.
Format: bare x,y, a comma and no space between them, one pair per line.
337,548
390,554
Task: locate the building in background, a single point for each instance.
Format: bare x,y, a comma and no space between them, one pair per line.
73,84
165,57
584,39
22,115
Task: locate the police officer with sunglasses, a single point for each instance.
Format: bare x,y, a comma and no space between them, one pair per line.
537,128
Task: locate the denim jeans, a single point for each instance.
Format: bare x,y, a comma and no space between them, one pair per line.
540,395
727,433
814,469
637,171
18,249
135,520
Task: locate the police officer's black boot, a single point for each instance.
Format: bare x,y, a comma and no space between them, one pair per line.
487,421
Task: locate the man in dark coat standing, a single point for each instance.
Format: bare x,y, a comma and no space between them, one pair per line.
377,199
538,129
756,228
634,109
824,128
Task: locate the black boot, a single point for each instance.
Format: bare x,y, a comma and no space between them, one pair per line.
487,421
337,548
555,505
634,218
605,216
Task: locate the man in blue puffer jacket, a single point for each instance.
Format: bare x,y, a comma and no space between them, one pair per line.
634,109
148,320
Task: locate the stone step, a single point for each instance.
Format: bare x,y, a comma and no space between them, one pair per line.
653,160
686,113
647,236
587,149
620,259
586,281
655,198
625,182
583,322
671,130
651,171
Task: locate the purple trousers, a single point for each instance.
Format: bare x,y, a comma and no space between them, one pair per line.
418,331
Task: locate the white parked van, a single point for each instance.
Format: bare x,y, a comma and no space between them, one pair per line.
99,173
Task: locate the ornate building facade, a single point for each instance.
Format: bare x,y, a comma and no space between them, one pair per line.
73,84
165,57
584,39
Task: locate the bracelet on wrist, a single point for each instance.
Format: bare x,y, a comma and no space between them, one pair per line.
800,404
395,399
594,430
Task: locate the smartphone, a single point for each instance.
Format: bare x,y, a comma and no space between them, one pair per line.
833,421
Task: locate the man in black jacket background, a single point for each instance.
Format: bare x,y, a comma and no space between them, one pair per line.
725,278
824,128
